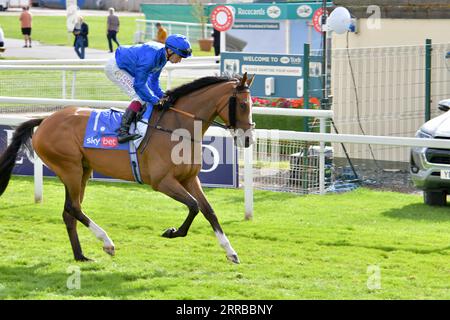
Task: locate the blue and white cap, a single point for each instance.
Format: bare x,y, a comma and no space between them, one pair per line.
179,44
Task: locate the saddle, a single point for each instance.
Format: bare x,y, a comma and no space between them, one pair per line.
102,127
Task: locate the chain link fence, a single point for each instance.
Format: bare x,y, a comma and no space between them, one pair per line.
381,91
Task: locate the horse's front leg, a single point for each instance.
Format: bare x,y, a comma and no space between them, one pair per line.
195,188
171,187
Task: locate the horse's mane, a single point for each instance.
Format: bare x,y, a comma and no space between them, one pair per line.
197,85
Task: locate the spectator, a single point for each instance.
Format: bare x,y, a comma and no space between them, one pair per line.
216,42
25,23
161,36
2,38
81,32
112,29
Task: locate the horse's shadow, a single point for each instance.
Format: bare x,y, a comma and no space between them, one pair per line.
259,197
31,282
420,212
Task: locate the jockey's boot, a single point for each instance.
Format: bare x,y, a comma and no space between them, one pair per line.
123,135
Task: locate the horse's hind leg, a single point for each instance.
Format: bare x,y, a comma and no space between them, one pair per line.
75,191
71,225
71,222
195,188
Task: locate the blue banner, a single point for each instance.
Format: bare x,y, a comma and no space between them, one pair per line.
219,167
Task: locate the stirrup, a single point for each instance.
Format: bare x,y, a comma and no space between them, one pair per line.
127,137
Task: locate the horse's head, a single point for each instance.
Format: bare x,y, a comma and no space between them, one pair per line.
239,115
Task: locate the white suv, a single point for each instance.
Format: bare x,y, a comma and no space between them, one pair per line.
430,167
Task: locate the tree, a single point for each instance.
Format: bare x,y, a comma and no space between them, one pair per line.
198,11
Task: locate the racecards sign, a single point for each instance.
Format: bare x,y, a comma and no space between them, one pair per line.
219,163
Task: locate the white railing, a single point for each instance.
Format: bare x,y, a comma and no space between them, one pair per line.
57,62
146,29
14,121
198,64
248,155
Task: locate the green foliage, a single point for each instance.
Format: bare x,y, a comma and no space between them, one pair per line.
198,12
296,247
278,122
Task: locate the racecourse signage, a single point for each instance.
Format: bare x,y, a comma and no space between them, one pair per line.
219,163
275,11
276,75
284,27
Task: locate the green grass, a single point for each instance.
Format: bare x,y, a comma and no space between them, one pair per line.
52,30
296,247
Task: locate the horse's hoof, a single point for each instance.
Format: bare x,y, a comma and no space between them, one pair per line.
169,233
110,250
83,259
234,258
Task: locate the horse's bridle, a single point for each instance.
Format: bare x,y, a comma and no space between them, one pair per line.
232,109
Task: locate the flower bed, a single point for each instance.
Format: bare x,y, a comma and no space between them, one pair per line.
284,122
314,103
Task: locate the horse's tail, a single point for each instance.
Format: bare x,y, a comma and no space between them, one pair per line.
20,138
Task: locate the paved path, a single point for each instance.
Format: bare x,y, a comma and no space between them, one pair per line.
14,48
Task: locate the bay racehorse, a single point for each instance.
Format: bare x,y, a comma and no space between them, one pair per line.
58,141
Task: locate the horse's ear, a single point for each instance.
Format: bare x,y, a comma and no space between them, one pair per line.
244,79
250,81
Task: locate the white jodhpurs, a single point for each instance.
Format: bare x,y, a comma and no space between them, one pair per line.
122,79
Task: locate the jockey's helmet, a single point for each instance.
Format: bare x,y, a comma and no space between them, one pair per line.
179,44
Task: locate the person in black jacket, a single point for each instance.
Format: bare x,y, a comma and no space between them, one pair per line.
216,36
81,37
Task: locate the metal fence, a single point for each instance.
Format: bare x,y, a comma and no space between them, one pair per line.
381,91
146,30
287,166
67,80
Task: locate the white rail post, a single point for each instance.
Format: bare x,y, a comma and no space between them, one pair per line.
64,84
152,28
322,159
38,179
169,79
187,32
248,181
74,78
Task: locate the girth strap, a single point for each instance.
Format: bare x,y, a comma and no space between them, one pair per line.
134,162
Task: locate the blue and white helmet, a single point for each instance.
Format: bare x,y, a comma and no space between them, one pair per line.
179,44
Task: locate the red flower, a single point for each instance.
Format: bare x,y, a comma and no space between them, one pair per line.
314,100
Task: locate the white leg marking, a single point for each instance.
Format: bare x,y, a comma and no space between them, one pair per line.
225,243
100,234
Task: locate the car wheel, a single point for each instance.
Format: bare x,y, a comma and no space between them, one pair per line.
435,198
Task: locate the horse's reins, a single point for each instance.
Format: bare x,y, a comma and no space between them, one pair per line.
232,117
232,113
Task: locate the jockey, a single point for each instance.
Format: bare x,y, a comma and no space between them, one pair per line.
136,70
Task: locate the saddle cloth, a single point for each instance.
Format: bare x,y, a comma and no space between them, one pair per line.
103,125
